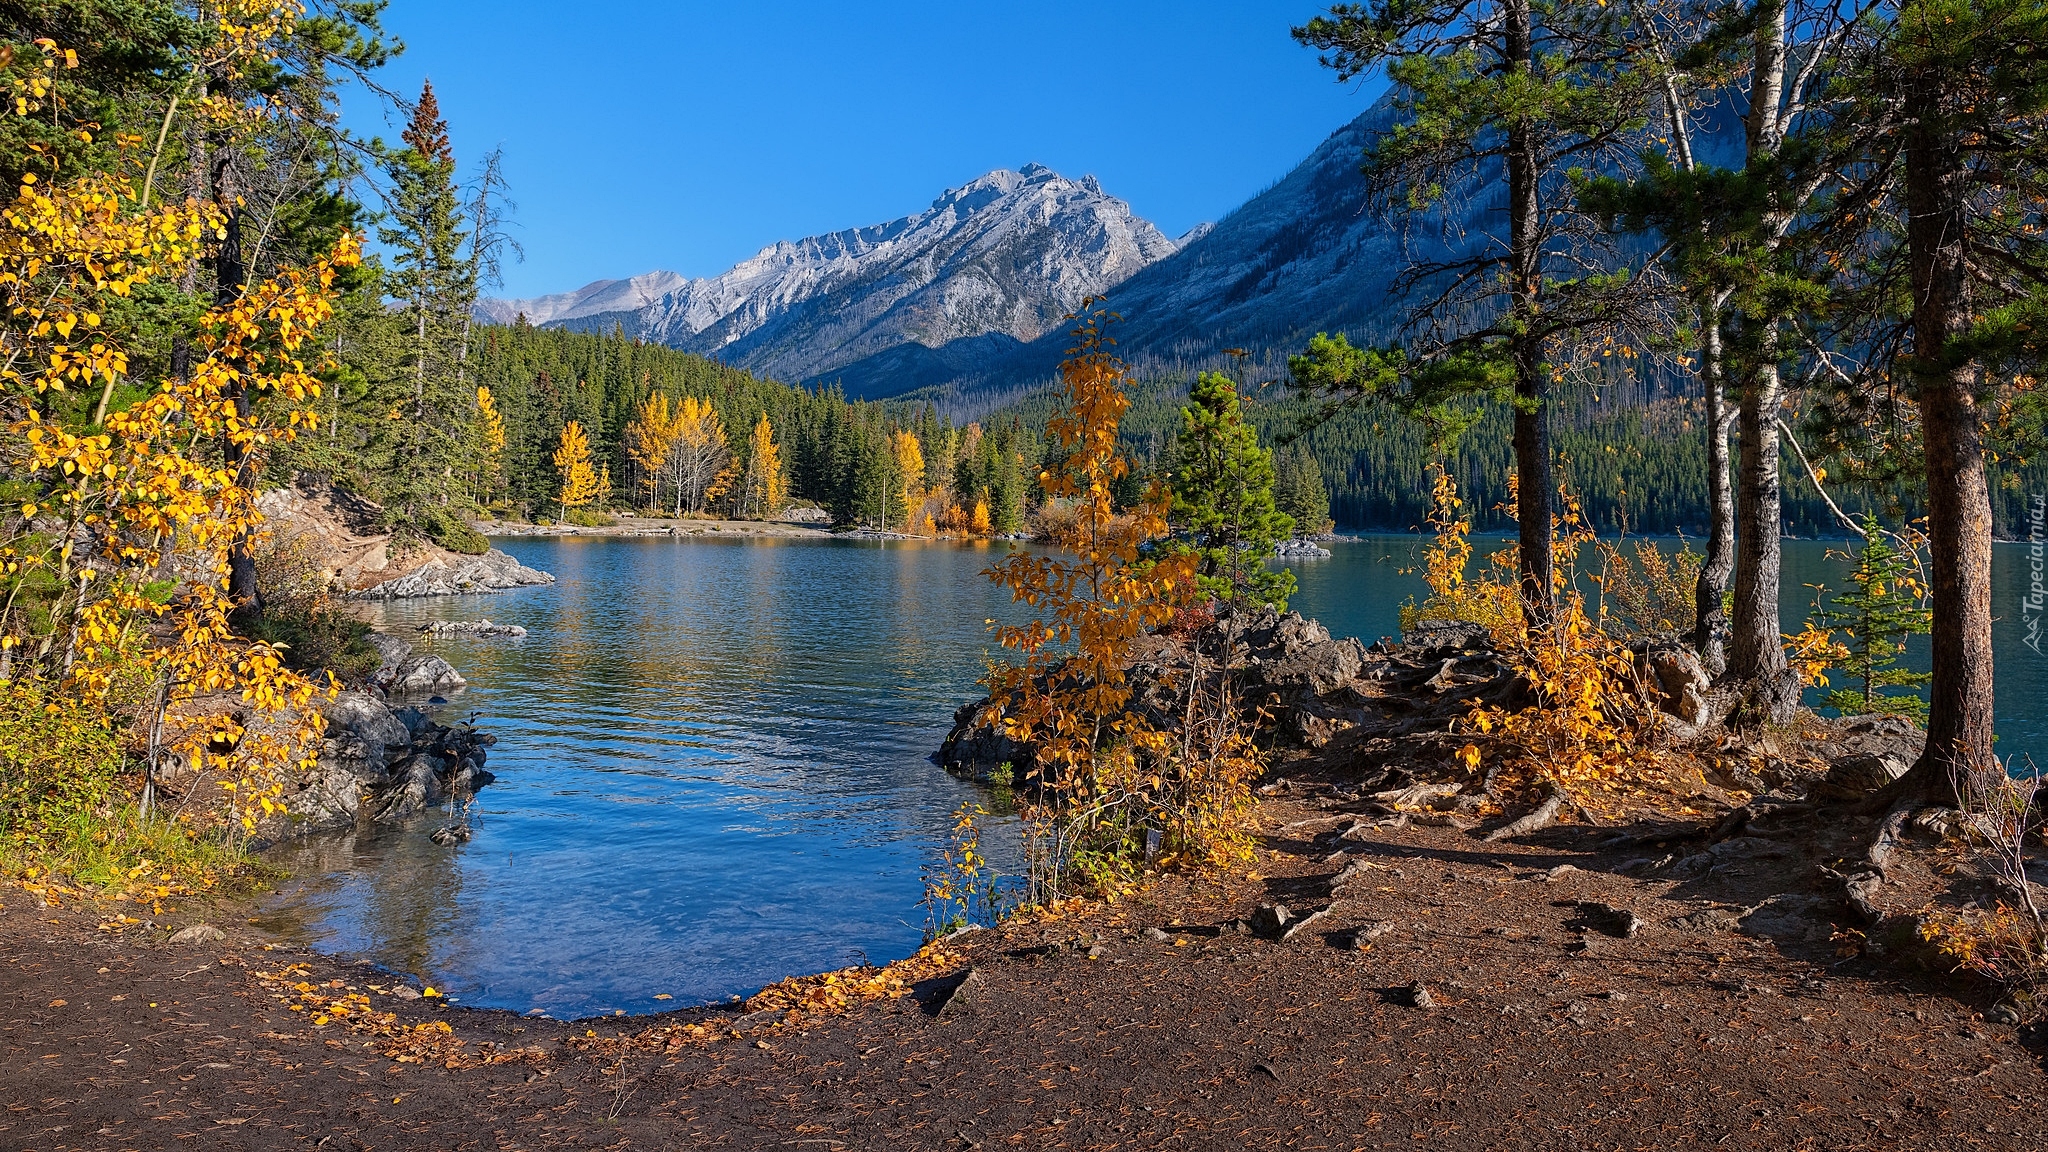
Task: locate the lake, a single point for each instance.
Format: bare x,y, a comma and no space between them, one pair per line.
713,763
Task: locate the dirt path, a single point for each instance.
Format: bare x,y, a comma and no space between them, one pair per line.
1547,1033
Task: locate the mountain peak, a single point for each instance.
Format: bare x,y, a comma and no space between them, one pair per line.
992,263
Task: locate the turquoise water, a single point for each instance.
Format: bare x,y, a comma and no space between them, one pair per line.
713,764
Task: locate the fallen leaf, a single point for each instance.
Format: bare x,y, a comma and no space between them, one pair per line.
59,1003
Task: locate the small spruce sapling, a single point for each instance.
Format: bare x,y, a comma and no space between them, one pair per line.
1883,610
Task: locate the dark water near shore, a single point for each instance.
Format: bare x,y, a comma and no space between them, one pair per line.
713,764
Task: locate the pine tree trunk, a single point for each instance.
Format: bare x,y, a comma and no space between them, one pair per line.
1959,717
1709,632
1534,498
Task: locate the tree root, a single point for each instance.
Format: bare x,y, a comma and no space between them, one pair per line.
1543,817
1861,881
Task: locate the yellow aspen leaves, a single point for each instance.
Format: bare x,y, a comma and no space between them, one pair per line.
572,462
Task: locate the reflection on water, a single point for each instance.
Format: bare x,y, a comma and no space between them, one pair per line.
712,772
712,763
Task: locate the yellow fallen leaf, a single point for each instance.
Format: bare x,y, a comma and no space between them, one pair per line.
663,996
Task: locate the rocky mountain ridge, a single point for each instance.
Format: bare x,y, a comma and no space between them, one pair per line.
989,265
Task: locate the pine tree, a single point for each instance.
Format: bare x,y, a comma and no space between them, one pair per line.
1222,485
432,281
1884,609
1520,89
1299,491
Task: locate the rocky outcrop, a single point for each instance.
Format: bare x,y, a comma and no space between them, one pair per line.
1312,686
453,575
1300,548
381,765
407,674
470,628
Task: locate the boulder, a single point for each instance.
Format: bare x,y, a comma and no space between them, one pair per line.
1435,639
424,674
198,934
364,731
1861,773
406,673
1680,681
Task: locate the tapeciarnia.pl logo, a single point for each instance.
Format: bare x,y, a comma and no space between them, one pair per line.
2036,598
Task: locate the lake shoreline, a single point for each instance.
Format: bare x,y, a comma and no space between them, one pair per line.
1146,1017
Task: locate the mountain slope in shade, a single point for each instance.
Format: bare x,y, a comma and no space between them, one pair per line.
988,266
1304,256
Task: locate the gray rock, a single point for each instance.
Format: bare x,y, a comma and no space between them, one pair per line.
1299,549
378,733
1097,952
2003,1012
1862,773
1436,638
198,934
494,571
1299,925
405,992
1364,934
470,628
1416,995
962,996
1156,935
1609,920
425,676
448,835
1270,920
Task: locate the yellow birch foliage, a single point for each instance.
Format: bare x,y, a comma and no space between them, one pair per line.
699,461
979,524
1589,733
145,485
572,462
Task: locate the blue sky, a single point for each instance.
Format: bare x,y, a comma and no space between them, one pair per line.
686,136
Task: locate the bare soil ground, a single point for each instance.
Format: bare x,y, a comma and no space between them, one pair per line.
1740,1015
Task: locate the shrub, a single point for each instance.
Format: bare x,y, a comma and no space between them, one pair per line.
302,617
1108,786
1651,594
1588,734
584,518
453,531
58,759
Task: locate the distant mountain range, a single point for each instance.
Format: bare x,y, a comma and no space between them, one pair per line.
967,298
989,266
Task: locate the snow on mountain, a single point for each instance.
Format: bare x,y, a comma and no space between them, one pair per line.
589,300
991,264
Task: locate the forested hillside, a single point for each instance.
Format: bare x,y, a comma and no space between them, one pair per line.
1638,467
